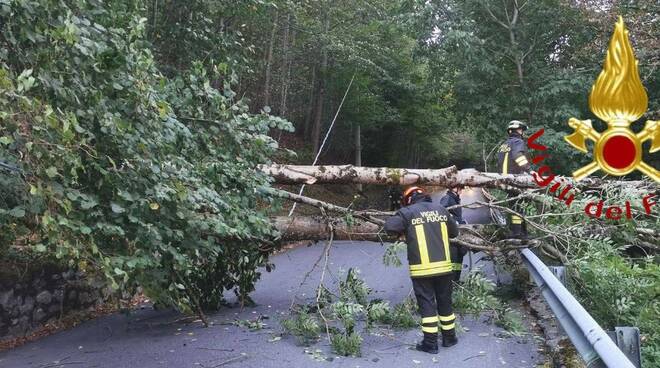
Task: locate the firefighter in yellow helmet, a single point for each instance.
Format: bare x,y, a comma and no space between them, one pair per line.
428,227
512,159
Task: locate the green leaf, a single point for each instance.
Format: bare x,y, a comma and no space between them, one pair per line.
117,208
17,212
88,204
51,172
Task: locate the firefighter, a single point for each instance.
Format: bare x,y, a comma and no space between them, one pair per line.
512,159
453,198
428,227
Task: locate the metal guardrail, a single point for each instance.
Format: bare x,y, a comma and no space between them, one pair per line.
590,340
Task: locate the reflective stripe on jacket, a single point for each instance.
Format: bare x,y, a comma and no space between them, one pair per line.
512,156
428,227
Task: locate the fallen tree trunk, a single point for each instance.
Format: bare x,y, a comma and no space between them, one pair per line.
447,177
319,228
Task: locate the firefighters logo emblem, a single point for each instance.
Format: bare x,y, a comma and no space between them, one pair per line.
618,98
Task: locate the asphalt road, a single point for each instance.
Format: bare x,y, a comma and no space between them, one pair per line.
149,338
154,339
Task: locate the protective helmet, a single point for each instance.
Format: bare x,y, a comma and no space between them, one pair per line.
516,124
406,198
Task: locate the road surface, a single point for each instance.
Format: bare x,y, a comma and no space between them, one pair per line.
150,339
155,339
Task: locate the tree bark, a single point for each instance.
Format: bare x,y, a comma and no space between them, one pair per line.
310,107
269,62
448,177
286,64
320,97
319,228
358,150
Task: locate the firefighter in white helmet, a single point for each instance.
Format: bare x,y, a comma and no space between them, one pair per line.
512,159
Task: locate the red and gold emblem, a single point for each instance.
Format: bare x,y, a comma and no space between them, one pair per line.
618,98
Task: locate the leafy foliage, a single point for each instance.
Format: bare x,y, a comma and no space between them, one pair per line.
354,288
378,311
618,292
346,344
612,268
404,314
510,320
391,255
303,326
147,179
251,324
476,296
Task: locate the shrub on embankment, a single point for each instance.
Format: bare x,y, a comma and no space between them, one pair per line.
612,265
126,172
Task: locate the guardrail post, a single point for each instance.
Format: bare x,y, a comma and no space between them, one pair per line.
628,340
559,272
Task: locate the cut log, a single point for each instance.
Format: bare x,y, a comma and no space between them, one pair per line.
318,228
447,177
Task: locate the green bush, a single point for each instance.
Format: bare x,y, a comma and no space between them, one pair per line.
619,292
147,179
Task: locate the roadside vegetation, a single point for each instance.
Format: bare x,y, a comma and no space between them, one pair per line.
131,132
345,315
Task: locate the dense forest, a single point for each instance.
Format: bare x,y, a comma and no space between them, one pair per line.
130,130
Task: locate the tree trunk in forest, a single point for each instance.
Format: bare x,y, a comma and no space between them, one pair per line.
310,106
517,55
269,63
358,150
286,64
320,97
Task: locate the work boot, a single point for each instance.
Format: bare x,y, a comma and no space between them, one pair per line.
449,338
429,344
